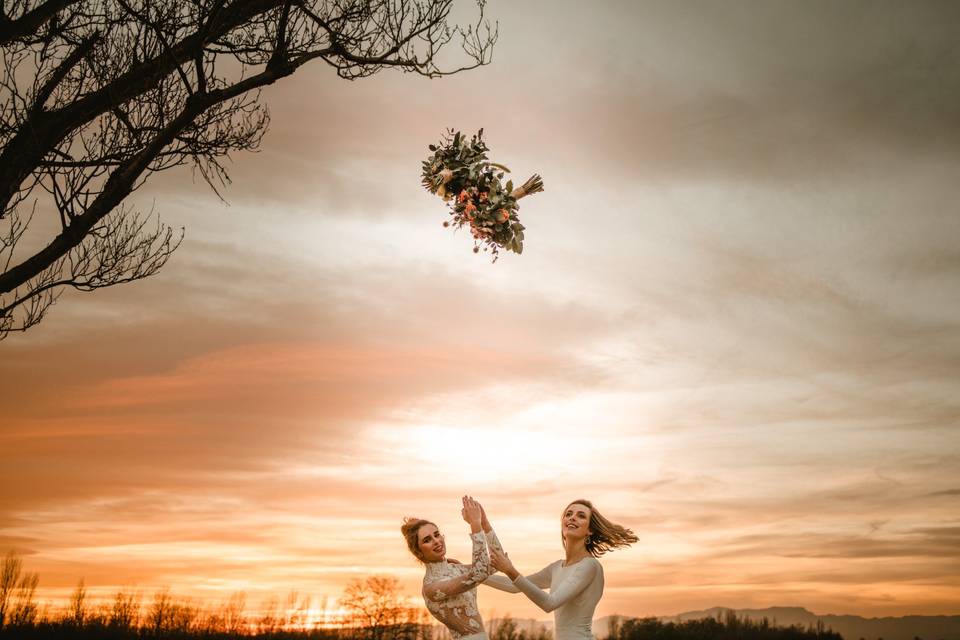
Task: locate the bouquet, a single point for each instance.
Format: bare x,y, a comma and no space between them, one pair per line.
459,172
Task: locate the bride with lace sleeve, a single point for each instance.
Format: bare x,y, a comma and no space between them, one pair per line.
450,587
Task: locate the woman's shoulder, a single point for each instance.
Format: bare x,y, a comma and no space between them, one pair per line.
449,568
597,568
590,568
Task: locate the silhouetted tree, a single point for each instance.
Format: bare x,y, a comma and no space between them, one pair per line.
9,576
95,95
268,622
78,612
160,615
233,620
504,629
25,610
374,605
125,612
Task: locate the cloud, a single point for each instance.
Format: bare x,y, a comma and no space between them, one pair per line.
946,492
732,327
676,97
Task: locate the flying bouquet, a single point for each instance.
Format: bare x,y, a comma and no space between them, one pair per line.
459,172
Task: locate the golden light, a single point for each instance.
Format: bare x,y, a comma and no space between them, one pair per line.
324,618
479,458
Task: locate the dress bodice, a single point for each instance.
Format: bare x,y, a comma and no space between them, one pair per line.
575,591
450,588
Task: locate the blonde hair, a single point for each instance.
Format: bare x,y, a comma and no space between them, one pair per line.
605,535
411,533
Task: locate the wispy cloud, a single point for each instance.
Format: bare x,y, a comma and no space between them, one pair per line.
733,327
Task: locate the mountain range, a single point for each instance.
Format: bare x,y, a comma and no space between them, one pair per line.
850,627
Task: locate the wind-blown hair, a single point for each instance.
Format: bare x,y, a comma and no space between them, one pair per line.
606,535
411,530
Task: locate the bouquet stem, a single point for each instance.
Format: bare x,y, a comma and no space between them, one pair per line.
533,185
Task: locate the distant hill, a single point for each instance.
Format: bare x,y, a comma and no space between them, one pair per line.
850,627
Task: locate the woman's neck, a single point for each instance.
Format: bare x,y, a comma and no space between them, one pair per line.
576,551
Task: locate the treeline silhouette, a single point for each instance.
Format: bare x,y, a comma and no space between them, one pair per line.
730,627
129,616
186,627
371,608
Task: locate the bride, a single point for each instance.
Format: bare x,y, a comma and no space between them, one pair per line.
449,587
576,582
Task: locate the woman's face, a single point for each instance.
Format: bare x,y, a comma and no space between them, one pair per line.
431,544
575,522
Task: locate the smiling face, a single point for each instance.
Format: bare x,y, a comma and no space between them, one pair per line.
431,544
575,522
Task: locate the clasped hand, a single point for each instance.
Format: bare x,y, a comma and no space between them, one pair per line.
472,512
501,562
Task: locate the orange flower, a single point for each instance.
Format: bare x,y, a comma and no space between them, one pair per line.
463,196
470,208
503,215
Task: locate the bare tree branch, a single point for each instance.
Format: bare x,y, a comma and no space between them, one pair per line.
30,22
97,95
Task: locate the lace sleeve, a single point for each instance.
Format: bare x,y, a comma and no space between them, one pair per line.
473,575
572,585
493,541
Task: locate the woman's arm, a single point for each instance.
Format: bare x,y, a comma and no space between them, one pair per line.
502,562
475,573
497,582
492,541
572,585
501,583
540,578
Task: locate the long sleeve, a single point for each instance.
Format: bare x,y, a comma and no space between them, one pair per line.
492,540
540,579
578,580
477,572
503,583
497,582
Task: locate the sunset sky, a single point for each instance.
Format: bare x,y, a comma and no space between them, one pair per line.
735,327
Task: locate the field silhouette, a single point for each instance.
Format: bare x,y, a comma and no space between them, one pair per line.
371,608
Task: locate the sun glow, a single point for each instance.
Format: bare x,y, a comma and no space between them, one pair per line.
480,458
320,618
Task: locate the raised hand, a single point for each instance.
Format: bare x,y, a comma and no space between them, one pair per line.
472,513
484,523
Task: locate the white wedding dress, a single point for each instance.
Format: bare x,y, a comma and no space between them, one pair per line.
450,589
574,594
